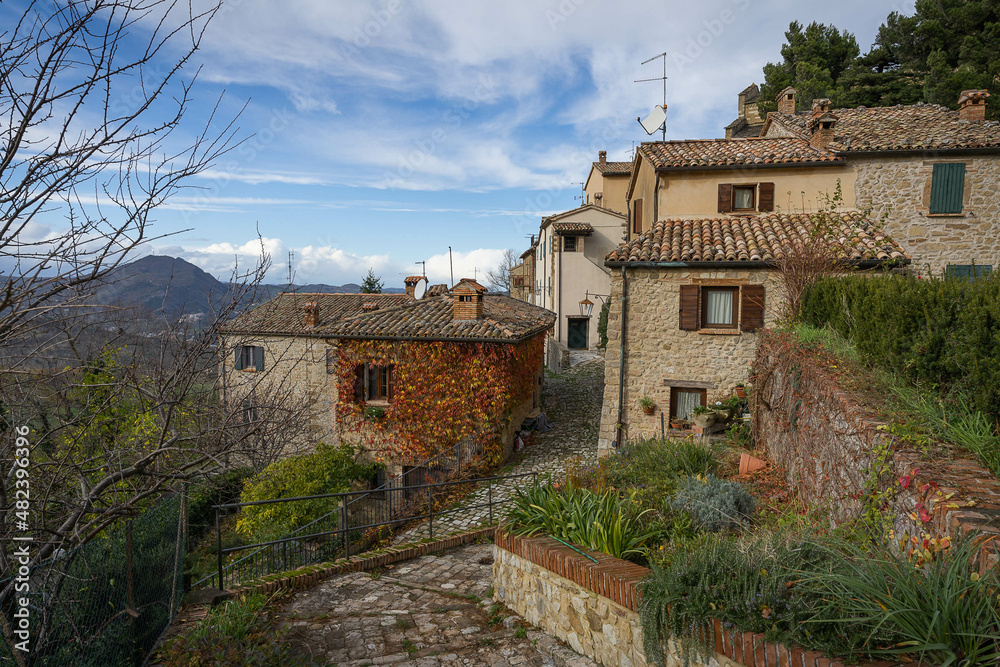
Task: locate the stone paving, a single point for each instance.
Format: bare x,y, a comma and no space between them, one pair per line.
572,401
428,612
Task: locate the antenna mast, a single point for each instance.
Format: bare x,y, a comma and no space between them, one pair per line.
291,258
663,78
423,268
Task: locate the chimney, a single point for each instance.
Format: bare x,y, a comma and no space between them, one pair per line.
602,157
822,129
819,107
310,312
972,105
411,283
599,199
467,300
786,100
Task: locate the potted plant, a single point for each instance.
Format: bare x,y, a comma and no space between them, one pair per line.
703,416
722,412
741,390
678,423
374,413
647,405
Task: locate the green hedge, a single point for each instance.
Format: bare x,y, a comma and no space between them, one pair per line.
943,332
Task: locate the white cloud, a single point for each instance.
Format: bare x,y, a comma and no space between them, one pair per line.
469,264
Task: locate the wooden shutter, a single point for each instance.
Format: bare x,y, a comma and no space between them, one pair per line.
258,358
765,197
689,307
238,357
359,383
390,381
947,187
752,306
637,216
725,197
331,362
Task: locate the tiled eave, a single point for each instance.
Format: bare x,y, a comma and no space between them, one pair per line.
724,264
755,165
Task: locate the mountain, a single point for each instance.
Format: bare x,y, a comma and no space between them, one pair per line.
178,287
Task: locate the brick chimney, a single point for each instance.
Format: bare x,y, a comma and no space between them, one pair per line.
411,283
819,107
972,105
602,157
822,129
310,312
467,300
786,100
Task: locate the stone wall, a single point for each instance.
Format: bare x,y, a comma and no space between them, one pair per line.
556,356
659,355
898,187
830,444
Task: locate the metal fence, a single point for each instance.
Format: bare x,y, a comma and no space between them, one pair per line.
107,602
352,524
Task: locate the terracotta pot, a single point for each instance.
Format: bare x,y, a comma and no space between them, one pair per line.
750,463
704,420
677,424
648,409
741,392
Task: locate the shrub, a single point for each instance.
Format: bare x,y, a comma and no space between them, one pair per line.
602,325
714,503
327,470
217,490
599,521
656,464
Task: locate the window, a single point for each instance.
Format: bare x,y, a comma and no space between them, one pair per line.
249,411
683,401
947,187
718,310
249,358
743,196
735,307
968,271
569,243
637,216
746,197
372,383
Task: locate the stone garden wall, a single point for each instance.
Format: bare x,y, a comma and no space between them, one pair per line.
836,452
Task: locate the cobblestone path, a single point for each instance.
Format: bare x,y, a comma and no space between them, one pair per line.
572,401
421,613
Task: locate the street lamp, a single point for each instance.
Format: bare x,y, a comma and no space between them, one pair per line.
587,306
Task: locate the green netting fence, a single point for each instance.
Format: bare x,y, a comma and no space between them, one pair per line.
106,603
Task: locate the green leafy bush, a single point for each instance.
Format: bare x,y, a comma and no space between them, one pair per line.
713,503
327,470
656,464
602,325
216,490
599,521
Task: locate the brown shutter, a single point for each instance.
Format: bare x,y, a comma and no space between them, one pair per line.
637,216
766,197
359,383
390,381
689,307
752,297
725,197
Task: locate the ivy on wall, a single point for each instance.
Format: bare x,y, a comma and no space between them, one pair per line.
443,392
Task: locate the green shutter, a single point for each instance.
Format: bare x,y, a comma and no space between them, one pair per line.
238,357
258,358
969,271
947,185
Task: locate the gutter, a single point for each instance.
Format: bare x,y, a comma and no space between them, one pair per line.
856,263
766,165
620,427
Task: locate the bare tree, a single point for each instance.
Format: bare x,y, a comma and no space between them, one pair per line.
499,279
87,148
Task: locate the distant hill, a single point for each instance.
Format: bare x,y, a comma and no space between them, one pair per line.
178,287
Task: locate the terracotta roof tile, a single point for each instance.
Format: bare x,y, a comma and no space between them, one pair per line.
284,314
504,319
573,228
902,127
614,168
733,152
755,239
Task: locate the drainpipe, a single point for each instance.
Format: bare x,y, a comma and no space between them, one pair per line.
656,201
621,365
559,293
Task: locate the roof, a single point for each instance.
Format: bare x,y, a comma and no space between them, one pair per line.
586,207
436,290
505,319
413,279
529,251
468,285
284,313
756,239
702,153
572,228
744,129
752,92
901,127
614,168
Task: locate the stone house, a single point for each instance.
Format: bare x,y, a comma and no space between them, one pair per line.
569,269
354,364
606,183
748,122
695,291
929,172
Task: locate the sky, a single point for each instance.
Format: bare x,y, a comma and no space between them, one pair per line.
379,134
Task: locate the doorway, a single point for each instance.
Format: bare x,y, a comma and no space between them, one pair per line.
576,333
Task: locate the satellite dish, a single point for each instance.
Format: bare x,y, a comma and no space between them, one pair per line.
654,120
419,289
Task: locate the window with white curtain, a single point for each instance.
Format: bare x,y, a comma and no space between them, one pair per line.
743,198
719,307
686,402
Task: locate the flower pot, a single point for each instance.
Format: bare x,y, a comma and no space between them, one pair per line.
677,424
741,392
750,463
704,420
648,409
723,414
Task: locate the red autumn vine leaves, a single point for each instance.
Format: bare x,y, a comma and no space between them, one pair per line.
442,392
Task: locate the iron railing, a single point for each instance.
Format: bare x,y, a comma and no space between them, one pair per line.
345,529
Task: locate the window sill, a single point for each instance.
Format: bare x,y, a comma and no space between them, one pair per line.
248,370
946,215
719,332
377,403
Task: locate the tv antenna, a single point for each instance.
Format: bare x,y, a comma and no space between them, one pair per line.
579,196
657,119
291,258
423,268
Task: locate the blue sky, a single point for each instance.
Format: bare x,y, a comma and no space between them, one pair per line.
380,133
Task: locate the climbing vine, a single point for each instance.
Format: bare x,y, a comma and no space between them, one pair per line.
443,392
